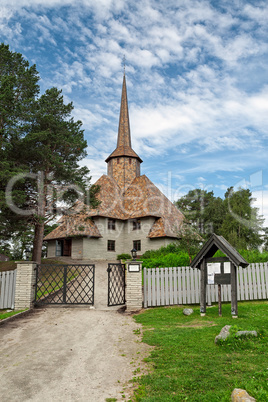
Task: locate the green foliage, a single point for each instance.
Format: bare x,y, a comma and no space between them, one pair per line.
187,365
241,225
123,256
170,248
4,314
41,142
252,256
168,260
173,256
18,91
234,217
203,210
190,240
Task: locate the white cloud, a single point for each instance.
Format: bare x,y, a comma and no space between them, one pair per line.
196,73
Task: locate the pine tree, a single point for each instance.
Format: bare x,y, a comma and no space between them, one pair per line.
52,151
242,225
18,91
40,149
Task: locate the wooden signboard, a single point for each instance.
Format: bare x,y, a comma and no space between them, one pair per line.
219,272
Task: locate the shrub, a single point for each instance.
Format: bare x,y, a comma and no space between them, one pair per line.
169,260
124,256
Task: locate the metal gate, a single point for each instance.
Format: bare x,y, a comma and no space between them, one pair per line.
64,284
116,284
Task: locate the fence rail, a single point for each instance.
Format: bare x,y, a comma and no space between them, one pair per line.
181,285
7,289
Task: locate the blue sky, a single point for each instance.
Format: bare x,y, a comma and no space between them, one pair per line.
197,81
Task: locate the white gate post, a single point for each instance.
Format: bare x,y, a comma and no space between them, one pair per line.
134,296
24,292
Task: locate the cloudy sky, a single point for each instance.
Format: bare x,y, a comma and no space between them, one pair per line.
197,80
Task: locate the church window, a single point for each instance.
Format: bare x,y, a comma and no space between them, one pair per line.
137,245
117,160
136,224
111,245
129,161
111,224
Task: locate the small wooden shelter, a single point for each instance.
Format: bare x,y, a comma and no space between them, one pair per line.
218,270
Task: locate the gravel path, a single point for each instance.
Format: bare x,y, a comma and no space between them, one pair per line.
70,354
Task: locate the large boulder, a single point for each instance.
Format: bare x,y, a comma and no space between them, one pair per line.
188,311
240,395
246,333
225,332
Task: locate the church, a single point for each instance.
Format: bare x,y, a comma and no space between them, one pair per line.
132,213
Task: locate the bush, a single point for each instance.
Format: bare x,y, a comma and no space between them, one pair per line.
173,256
169,260
124,256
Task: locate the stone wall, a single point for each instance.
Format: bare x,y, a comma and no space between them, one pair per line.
124,235
77,249
25,285
134,295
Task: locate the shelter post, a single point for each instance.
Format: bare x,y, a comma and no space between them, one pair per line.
234,310
203,287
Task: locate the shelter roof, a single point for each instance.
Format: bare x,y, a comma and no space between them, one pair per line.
214,244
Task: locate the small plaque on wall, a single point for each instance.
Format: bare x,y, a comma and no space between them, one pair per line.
134,267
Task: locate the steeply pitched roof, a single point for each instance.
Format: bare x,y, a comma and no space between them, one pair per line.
141,199
124,139
74,225
110,196
218,243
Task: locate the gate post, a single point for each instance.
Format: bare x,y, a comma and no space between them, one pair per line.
134,296
25,285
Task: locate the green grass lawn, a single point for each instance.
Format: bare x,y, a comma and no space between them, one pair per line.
188,366
5,314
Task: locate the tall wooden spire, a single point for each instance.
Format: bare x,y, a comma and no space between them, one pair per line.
124,163
124,138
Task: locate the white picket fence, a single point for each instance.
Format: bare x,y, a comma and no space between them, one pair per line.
7,289
181,285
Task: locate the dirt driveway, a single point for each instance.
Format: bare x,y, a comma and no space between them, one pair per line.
70,354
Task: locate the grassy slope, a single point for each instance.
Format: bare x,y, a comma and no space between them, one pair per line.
189,366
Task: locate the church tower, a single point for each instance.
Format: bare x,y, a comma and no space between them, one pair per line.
123,164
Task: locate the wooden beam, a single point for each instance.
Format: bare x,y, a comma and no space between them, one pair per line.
203,287
234,311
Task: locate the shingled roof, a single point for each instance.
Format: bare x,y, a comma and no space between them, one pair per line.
141,199
73,226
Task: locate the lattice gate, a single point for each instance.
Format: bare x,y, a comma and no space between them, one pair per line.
116,284
64,284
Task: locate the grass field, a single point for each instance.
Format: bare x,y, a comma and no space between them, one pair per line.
5,314
188,366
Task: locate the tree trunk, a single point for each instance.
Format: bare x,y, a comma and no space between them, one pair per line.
38,242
